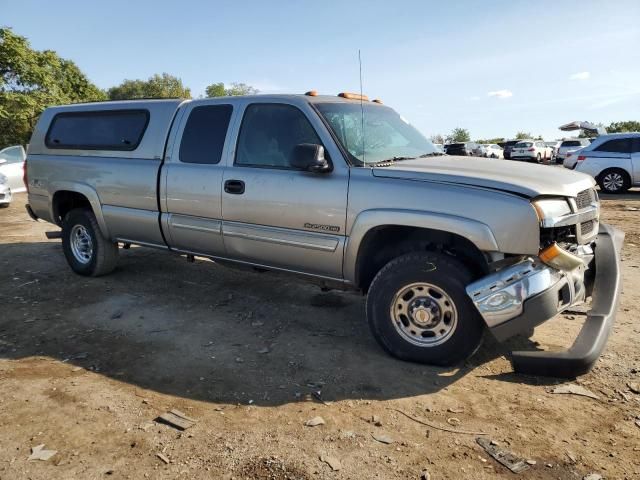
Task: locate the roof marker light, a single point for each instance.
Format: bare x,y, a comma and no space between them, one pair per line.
353,96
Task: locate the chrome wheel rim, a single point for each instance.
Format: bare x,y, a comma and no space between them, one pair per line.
613,181
81,244
424,314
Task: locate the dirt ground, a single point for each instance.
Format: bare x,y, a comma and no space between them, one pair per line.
86,365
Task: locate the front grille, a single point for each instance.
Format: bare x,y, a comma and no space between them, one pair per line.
1,196
585,198
586,227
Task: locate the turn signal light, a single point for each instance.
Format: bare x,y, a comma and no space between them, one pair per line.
559,258
353,96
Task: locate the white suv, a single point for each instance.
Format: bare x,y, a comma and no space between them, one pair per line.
613,160
532,151
569,145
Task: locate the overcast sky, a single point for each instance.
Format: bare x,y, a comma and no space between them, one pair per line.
493,67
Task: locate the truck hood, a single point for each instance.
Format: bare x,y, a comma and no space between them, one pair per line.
527,179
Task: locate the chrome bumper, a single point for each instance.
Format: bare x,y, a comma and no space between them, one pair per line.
500,297
512,289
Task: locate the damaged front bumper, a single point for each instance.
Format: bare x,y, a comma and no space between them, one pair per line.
520,297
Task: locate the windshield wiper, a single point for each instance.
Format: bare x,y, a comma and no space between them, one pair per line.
432,154
389,161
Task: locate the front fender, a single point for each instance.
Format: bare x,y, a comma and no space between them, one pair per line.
86,190
476,232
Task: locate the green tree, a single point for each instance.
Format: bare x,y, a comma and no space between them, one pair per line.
460,135
626,126
437,138
491,140
32,80
523,135
157,86
219,90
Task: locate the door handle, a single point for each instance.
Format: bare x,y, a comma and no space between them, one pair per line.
235,187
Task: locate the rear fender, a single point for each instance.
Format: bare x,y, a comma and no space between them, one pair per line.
86,190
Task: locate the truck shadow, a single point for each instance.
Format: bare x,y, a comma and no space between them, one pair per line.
205,332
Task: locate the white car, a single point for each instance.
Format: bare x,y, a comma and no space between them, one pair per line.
571,158
12,167
493,150
5,191
531,151
613,160
568,145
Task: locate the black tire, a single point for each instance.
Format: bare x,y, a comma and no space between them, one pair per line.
446,274
4,205
539,158
609,186
103,255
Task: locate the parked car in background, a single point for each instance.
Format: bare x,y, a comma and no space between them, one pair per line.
461,148
439,146
531,151
480,150
507,147
569,145
12,167
613,160
5,191
492,150
571,159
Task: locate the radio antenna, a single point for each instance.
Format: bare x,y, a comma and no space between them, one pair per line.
361,105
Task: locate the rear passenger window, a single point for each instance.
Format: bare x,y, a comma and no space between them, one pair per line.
619,145
204,134
268,134
98,130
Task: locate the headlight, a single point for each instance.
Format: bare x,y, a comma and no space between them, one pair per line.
548,209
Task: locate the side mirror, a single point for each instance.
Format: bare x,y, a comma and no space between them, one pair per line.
310,157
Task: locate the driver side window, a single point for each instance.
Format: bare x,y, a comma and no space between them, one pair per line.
269,133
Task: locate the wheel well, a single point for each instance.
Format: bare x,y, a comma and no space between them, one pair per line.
64,201
382,244
609,169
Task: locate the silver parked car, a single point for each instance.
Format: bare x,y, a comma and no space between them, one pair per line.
613,160
342,191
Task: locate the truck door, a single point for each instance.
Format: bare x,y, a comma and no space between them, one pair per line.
191,180
273,214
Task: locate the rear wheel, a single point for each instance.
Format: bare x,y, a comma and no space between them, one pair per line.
614,180
87,251
539,158
418,309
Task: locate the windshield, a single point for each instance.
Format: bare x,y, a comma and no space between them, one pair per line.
523,145
571,143
385,136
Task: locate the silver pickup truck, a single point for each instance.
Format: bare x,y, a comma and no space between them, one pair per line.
343,191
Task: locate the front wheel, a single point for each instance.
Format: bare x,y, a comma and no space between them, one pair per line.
87,251
539,158
614,180
418,309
